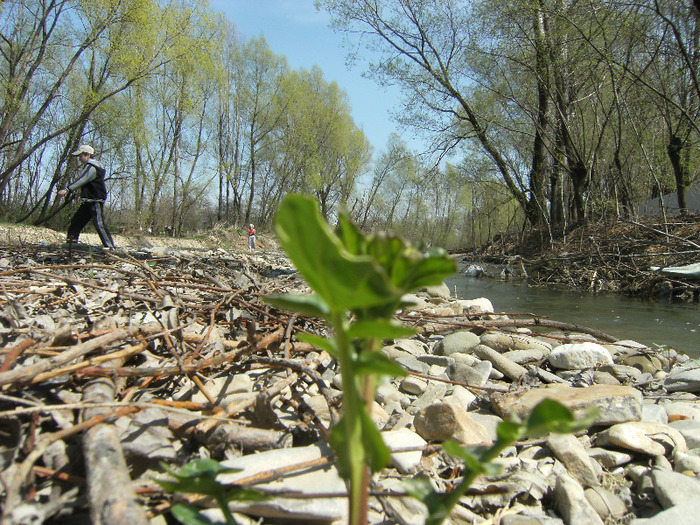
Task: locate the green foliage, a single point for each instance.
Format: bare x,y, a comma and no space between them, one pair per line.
199,477
548,416
358,282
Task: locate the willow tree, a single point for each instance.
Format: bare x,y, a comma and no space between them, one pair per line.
62,61
425,46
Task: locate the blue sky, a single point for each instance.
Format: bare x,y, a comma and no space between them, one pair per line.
295,29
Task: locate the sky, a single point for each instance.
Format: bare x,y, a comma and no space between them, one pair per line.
295,29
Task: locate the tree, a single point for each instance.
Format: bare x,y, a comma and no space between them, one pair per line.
425,48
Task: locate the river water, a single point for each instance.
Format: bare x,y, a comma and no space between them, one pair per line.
649,322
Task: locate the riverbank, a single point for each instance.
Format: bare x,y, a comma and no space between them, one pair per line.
611,256
171,355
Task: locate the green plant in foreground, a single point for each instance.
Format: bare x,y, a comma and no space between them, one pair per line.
358,282
548,416
199,477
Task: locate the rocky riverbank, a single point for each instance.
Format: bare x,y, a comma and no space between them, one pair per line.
614,255
112,363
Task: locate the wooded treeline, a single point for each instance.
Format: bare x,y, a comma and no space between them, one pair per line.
545,111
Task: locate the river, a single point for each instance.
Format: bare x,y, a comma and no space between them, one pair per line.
649,322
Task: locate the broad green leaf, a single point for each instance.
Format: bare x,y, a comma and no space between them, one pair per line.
352,239
379,329
310,304
344,281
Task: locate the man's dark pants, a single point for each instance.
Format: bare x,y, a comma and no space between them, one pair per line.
90,211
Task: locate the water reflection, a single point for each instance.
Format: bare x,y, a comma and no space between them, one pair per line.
651,323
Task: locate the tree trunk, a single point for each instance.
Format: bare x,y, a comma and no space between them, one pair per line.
675,148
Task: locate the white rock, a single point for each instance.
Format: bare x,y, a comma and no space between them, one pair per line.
579,356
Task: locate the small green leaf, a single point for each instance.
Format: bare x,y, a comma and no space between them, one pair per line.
310,304
509,431
551,416
547,414
189,515
320,342
243,494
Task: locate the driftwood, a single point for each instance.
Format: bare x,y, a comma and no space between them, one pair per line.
110,492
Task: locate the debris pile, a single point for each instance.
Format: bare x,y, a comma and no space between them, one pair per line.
114,363
614,256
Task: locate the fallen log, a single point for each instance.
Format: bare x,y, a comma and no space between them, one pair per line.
110,492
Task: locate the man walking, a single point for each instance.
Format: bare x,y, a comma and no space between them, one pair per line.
93,193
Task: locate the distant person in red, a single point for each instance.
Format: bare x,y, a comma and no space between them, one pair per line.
91,183
251,238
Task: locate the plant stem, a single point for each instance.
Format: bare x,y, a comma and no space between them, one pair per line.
353,426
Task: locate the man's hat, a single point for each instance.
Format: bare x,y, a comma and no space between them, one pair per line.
84,149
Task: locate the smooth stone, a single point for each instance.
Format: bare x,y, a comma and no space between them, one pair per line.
686,463
685,381
434,392
579,356
310,481
443,421
571,452
690,429
466,359
653,439
412,507
605,503
622,373
441,291
413,302
677,515
405,462
477,375
387,392
414,385
379,416
458,342
682,410
604,378
412,346
654,413
412,364
530,355
616,404
648,364
488,422
502,342
501,363
461,397
439,360
674,488
570,500
609,458
476,306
